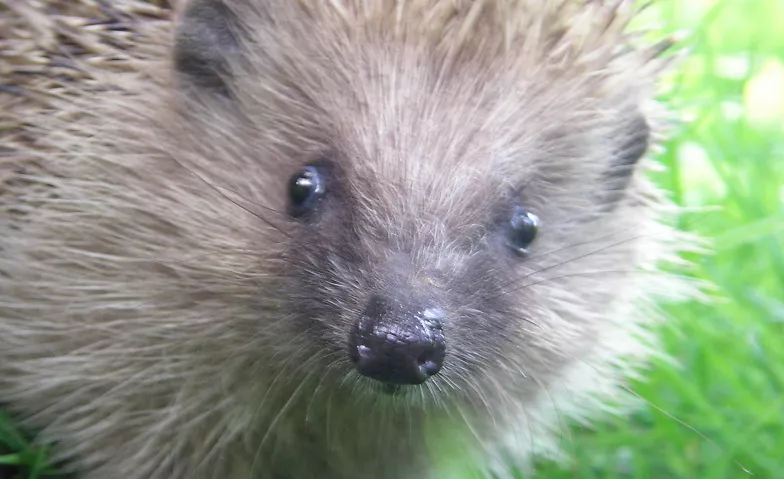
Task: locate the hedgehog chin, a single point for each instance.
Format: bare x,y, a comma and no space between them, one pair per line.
388,390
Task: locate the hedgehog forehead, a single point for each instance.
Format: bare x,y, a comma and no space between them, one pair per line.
415,189
435,157
409,104
404,126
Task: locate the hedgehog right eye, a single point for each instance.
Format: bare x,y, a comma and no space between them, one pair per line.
523,227
305,189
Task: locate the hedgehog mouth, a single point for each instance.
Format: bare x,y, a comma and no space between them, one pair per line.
389,389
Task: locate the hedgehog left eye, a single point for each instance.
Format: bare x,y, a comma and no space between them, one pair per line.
305,190
523,227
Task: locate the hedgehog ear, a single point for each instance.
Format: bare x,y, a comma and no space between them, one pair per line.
204,44
632,140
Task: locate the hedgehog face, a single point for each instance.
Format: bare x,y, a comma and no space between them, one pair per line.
444,207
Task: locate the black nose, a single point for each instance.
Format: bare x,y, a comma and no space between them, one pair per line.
397,344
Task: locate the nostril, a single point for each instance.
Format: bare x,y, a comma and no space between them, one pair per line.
363,352
422,359
431,358
428,365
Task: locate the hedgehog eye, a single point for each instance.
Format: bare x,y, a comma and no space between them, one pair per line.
305,189
522,230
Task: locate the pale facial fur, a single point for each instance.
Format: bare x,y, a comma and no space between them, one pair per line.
162,315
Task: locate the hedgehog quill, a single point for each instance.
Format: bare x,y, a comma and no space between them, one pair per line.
277,239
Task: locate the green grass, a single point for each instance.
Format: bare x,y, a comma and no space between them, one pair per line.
18,457
729,383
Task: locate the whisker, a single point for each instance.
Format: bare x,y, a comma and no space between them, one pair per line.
589,273
215,188
271,210
562,263
686,425
661,410
584,243
287,405
526,320
561,423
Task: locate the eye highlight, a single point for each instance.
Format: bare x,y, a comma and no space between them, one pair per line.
523,227
305,189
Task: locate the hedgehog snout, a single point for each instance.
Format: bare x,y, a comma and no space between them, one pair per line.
396,342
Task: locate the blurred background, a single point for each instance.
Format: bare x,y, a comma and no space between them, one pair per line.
728,153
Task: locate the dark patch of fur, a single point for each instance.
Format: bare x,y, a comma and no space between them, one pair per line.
633,143
205,40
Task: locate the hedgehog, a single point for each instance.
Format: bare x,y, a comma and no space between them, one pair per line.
333,239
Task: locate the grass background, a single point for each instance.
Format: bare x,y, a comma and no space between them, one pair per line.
729,383
729,152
